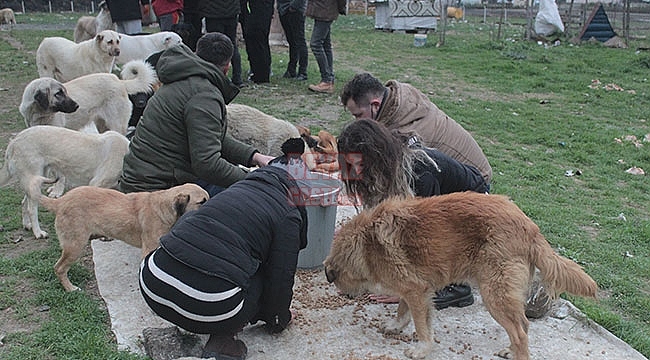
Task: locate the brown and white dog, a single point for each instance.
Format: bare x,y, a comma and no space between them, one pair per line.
139,219
413,247
324,150
103,99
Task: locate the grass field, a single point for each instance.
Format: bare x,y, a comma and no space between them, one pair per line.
539,112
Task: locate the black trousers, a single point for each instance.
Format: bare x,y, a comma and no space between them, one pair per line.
256,32
228,27
293,24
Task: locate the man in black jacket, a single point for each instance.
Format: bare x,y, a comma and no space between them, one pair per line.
127,15
223,16
233,261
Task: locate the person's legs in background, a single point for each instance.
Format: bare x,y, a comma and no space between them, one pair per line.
129,27
168,20
321,47
258,26
293,24
229,28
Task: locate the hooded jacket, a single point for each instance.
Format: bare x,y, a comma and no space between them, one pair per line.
257,225
182,134
405,108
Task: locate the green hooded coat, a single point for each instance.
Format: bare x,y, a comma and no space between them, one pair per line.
182,134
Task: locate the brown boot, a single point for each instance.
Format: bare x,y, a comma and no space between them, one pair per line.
224,348
323,87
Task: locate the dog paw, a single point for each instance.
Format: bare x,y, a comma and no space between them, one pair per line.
391,328
505,353
41,234
420,351
53,192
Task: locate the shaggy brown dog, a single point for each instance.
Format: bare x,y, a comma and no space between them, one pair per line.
139,219
411,248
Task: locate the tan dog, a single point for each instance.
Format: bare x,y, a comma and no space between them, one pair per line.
7,17
88,26
412,248
324,150
74,157
64,60
139,219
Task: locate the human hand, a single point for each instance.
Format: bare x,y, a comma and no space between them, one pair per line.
384,299
260,159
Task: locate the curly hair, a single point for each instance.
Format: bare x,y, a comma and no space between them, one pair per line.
387,164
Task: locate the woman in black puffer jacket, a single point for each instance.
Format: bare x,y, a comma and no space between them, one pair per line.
231,262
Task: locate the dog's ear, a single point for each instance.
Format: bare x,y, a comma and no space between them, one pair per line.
99,38
42,98
180,204
330,274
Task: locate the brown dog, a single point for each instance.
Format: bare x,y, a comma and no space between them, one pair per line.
412,248
139,219
324,150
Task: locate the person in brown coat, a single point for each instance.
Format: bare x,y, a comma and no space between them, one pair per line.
402,107
324,13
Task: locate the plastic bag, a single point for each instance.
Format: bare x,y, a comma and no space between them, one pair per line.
548,19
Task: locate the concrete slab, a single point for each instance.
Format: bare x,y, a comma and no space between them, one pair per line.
333,327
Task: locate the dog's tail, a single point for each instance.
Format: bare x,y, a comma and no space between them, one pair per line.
47,202
138,77
7,171
561,274
5,175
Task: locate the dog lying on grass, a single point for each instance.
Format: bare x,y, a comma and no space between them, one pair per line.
139,219
413,247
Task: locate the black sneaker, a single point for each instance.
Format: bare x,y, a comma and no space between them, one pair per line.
288,75
456,295
301,77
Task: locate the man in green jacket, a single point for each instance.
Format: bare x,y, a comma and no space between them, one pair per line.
182,136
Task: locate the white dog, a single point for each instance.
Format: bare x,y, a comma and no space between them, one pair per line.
103,99
76,158
64,60
88,26
263,131
139,47
7,17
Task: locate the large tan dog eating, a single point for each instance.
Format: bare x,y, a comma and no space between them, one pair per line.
411,248
139,219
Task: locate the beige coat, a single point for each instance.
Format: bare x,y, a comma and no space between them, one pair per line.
407,109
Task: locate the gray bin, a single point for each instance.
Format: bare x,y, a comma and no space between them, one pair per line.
321,219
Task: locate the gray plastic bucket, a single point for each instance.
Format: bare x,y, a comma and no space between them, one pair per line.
321,219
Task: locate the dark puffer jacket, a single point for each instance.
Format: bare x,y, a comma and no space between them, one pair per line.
219,9
124,10
253,226
182,134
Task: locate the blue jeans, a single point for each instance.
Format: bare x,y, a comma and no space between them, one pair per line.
321,47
